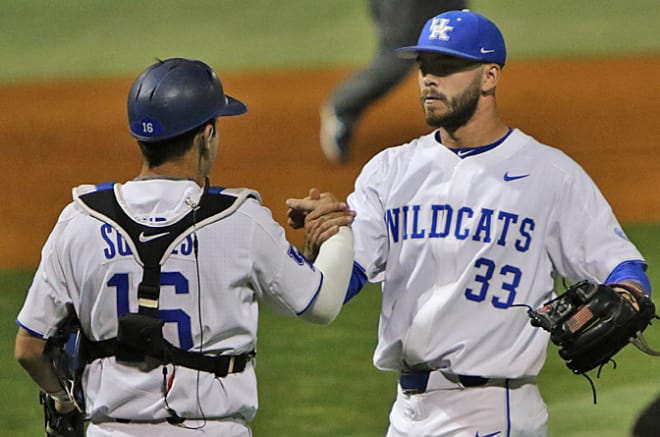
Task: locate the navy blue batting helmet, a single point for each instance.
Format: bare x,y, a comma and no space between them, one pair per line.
174,96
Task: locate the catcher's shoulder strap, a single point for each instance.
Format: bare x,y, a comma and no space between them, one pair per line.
150,243
151,246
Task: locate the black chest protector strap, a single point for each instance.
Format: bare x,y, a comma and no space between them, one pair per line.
140,337
153,244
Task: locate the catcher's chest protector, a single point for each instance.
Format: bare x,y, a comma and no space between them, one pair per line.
151,246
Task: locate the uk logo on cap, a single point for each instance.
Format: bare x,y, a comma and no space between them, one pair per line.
439,29
464,34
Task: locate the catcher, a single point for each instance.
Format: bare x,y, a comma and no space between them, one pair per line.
167,274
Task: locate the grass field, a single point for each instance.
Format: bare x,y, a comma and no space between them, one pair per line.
319,381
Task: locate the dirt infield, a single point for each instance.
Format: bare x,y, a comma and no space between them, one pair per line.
603,112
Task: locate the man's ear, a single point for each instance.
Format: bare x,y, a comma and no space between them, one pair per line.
205,139
491,76
209,132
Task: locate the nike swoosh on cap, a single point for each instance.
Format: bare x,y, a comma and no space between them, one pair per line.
508,177
486,51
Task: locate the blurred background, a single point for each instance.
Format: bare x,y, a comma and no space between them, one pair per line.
46,40
65,72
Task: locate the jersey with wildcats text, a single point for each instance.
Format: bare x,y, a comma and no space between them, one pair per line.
209,301
459,242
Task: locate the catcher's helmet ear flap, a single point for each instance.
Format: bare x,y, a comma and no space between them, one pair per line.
174,96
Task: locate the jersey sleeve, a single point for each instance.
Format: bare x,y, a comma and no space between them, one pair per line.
586,240
44,305
369,228
283,278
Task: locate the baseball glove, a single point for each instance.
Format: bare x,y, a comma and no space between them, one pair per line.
592,322
61,425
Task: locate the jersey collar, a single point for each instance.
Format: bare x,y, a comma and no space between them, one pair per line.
464,152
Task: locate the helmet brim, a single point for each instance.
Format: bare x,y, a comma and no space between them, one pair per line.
232,107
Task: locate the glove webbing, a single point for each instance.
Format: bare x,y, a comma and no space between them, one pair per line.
639,341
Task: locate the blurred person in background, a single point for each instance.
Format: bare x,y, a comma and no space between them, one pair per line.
397,23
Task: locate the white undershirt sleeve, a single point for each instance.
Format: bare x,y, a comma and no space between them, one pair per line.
335,261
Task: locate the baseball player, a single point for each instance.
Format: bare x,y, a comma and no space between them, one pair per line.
164,274
460,226
397,23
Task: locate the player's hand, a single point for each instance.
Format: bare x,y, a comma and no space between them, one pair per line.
317,205
61,418
64,407
321,214
299,208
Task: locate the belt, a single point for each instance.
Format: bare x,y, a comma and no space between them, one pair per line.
172,420
421,382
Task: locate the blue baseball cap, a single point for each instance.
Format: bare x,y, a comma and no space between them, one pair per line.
463,34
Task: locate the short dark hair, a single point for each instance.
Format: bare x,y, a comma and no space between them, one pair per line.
159,152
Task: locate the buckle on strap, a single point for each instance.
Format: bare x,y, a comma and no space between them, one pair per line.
230,364
148,291
220,365
148,295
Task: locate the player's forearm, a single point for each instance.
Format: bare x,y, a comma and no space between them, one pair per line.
335,260
29,353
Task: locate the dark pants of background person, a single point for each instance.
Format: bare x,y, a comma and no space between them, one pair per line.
399,23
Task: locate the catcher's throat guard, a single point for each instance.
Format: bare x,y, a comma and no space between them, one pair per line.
592,322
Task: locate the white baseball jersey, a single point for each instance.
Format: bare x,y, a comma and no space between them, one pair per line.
243,258
457,240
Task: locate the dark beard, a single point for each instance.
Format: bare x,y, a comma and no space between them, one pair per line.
461,109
